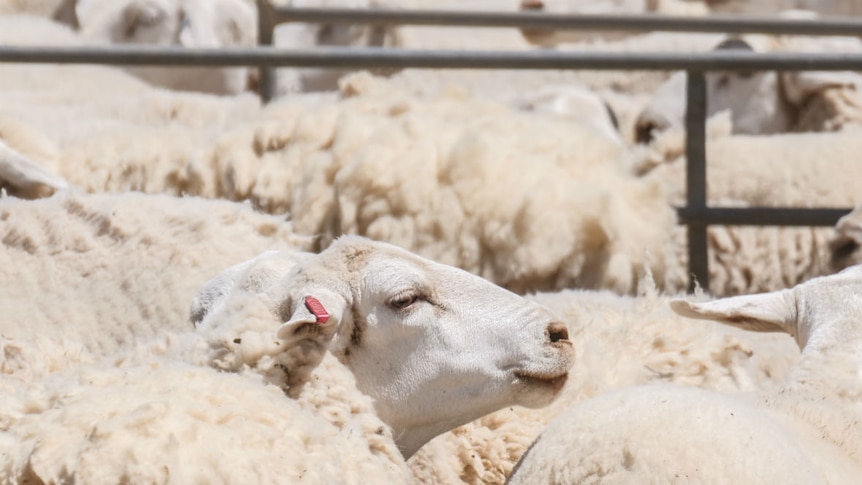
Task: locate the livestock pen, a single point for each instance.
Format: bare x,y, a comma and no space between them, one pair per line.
697,215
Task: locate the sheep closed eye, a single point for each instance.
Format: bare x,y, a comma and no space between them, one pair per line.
403,301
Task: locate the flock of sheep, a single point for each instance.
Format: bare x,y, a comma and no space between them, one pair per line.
423,276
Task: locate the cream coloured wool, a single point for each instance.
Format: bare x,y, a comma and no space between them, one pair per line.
154,414
807,430
111,269
434,346
45,8
792,170
414,172
620,341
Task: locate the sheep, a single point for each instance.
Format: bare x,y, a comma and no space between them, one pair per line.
186,23
549,38
45,8
302,35
805,431
383,297
576,102
791,171
143,256
620,341
319,160
765,102
258,321
844,247
310,159
331,156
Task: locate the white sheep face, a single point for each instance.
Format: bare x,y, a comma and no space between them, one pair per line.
434,345
588,7
441,347
760,102
181,23
755,101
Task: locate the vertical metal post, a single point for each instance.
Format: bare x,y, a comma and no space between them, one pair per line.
695,142
266,23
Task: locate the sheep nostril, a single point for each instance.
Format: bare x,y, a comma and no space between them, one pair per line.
557,332
532,5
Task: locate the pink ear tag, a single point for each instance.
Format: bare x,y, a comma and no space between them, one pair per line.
316,308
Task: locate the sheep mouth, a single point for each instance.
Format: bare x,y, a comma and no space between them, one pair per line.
553,381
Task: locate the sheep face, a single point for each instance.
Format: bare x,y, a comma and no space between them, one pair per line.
590,7
456,347
434,345
846,243
755,99
185,23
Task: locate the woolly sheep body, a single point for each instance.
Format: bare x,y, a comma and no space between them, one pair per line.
315,159
144,245
152,417
340,161
792,170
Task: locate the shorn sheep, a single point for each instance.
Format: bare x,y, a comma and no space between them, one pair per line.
433,345
805,431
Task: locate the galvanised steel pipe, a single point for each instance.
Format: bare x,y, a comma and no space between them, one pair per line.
550,21
345,57
761,216
695,150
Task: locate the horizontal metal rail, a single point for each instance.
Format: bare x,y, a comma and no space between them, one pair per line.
840,26
341,57
765,216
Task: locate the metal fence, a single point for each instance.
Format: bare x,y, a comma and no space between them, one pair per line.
696,215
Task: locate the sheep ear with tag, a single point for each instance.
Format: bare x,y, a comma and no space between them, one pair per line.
316,314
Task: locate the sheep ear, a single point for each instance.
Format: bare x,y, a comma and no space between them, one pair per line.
316,315
798,86
766,312
25,174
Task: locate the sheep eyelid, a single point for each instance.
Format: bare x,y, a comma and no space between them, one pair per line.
403,301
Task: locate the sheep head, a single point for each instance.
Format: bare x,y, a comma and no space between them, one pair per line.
435,346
